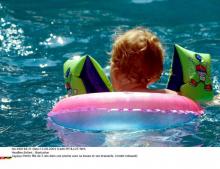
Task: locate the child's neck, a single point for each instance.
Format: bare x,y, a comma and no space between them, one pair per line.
132,87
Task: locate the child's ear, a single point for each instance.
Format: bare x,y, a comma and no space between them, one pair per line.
114,75
118,79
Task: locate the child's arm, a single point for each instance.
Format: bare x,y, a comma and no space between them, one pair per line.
215,101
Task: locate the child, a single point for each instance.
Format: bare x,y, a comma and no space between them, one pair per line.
137,61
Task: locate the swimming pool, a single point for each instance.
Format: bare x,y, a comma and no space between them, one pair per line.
36,37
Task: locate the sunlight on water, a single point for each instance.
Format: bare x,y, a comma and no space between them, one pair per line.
56,41
12,39
216,84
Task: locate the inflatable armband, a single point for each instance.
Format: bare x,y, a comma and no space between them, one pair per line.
85,75
191,74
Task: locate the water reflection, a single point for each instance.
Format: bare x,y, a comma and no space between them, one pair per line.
173,137
77,138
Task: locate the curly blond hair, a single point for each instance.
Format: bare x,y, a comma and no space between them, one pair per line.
138,54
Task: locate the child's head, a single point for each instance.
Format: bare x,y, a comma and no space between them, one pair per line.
137,56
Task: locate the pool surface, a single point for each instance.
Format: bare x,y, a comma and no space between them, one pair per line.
37,36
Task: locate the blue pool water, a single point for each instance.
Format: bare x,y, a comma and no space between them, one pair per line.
37,36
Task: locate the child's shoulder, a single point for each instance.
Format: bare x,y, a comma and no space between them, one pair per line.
165,91
170,91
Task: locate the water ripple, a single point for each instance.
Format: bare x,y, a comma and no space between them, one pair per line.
12,39
18,79
39,62
56,41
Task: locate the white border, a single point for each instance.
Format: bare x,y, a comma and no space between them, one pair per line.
152,158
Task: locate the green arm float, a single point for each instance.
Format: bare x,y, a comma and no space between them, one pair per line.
191,74
79,73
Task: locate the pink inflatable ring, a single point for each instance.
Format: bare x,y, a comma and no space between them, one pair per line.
124,111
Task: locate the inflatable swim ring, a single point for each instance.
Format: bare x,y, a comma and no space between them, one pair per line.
124,111
94,107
